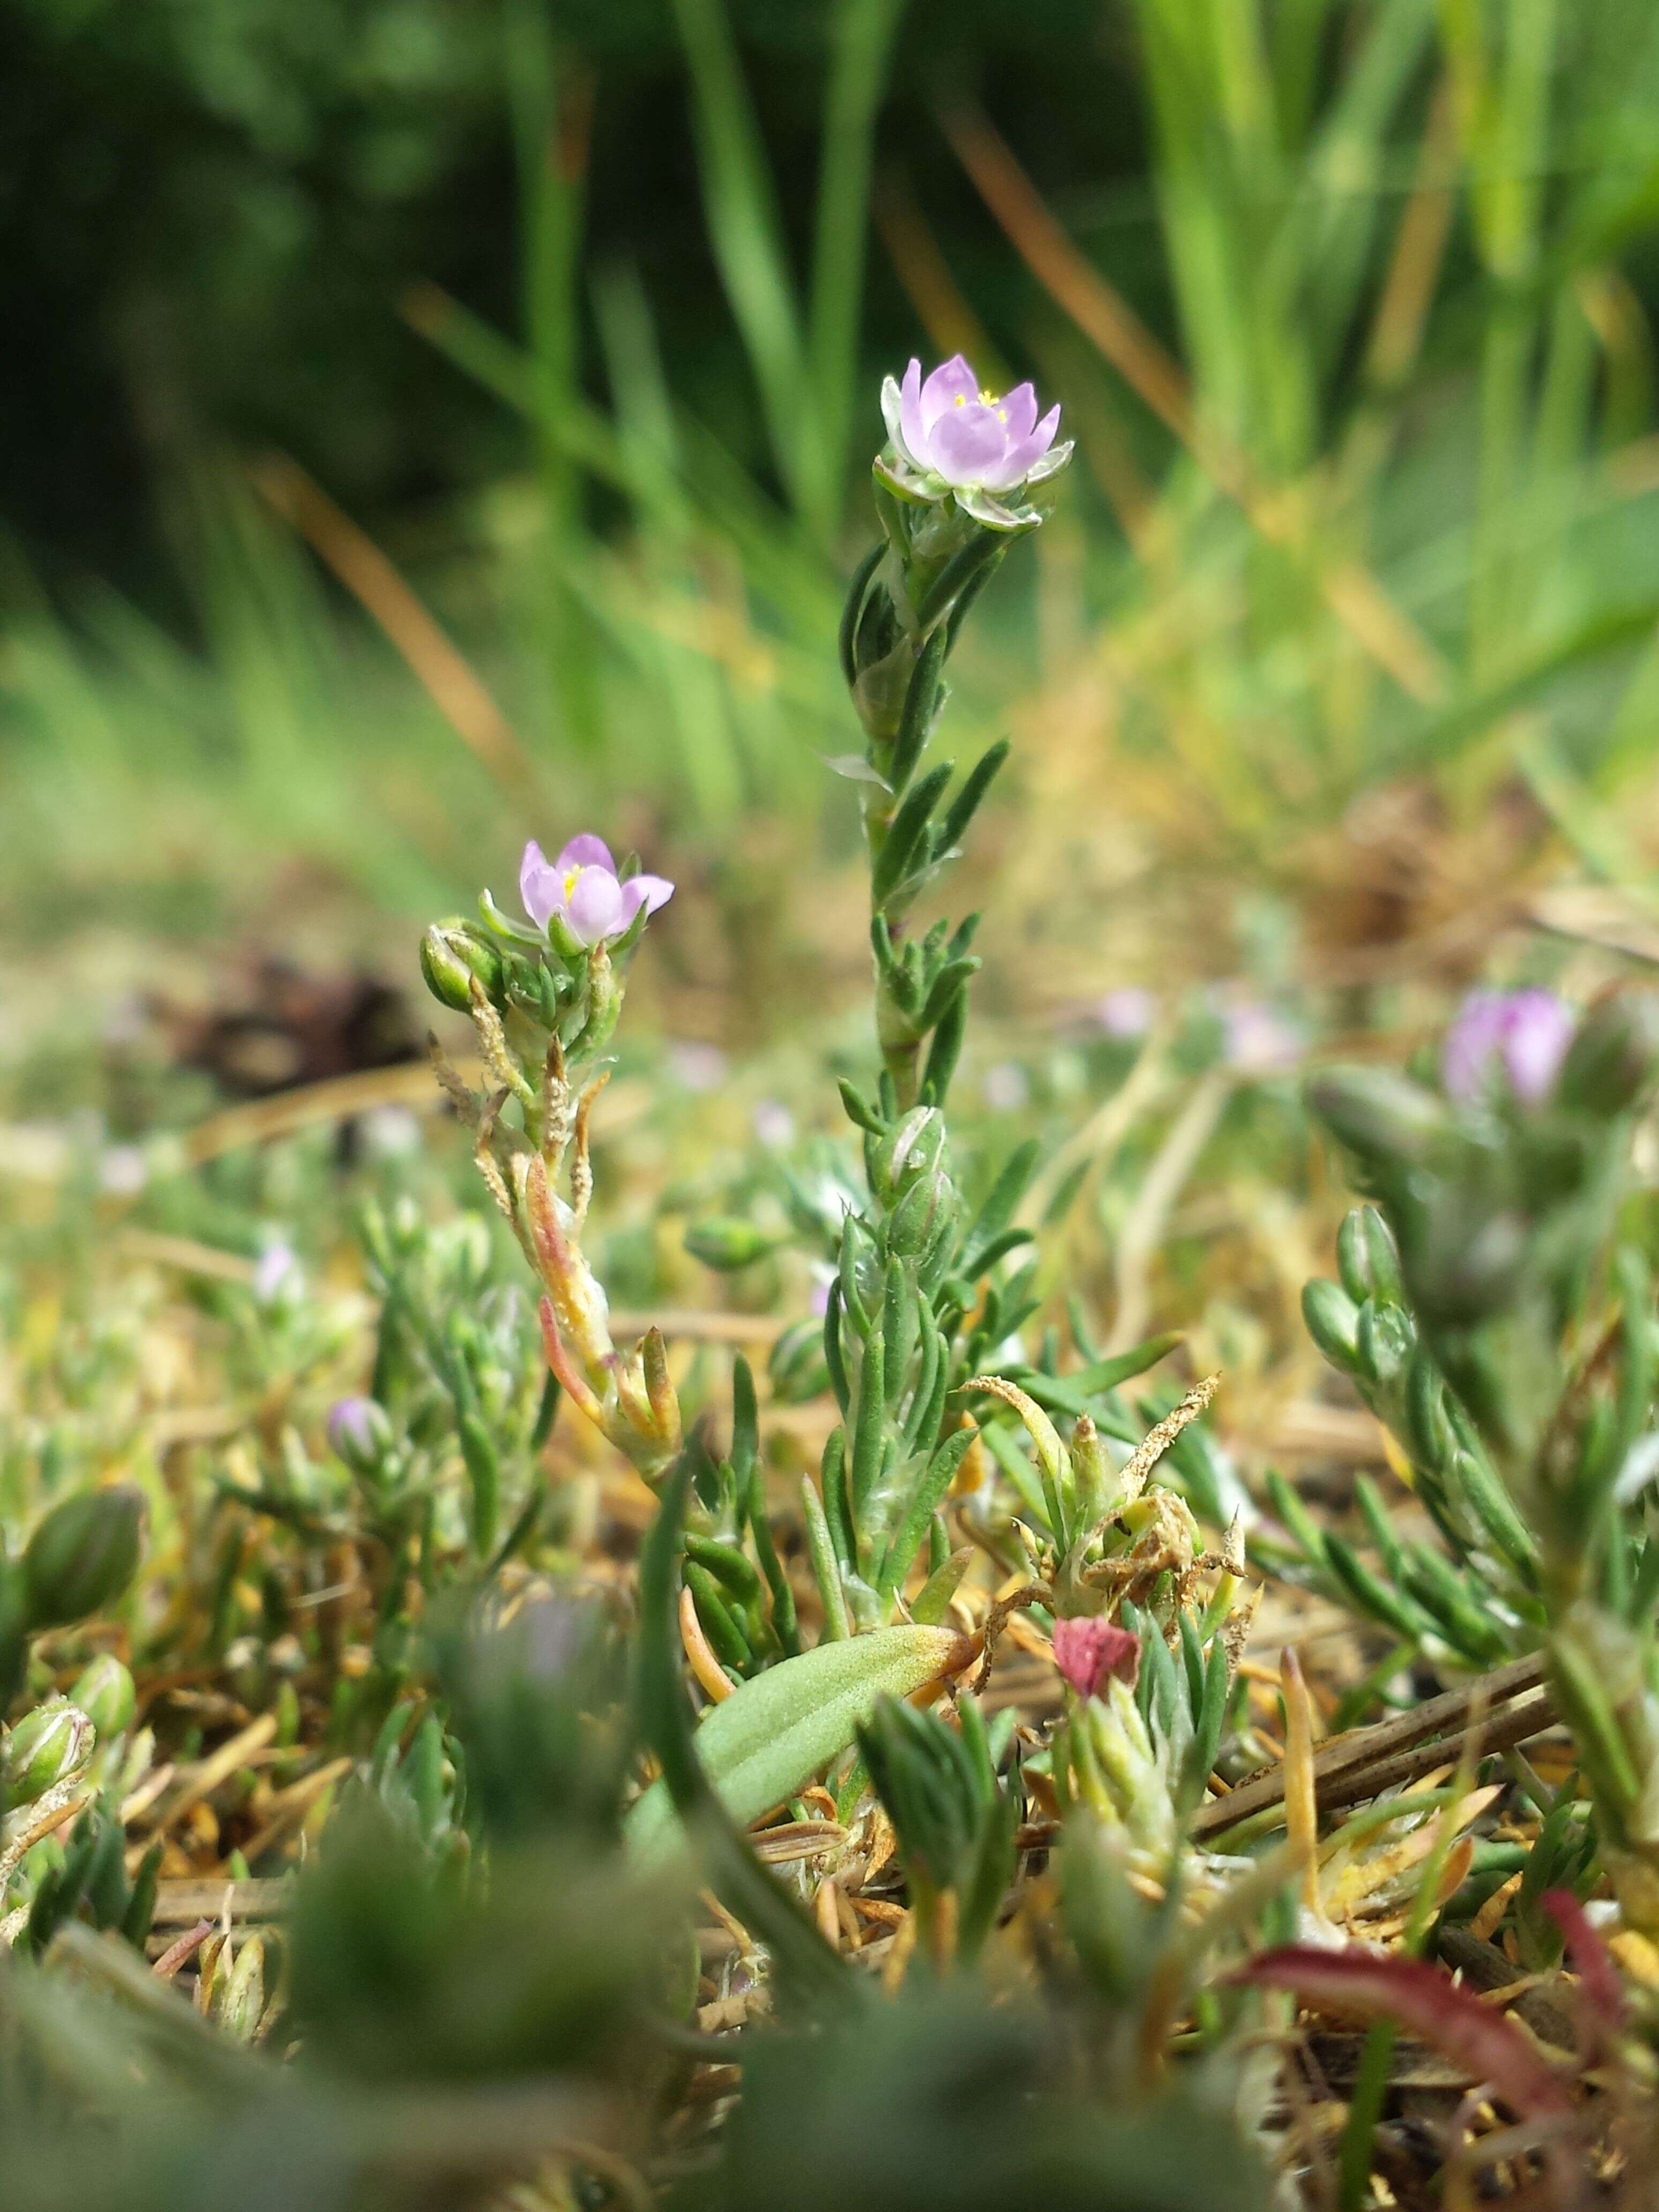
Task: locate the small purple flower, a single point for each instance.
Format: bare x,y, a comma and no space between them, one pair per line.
774,1124
696,1066
276,1274
583,887
1520,1036
1127,1011
957,438
1257,1039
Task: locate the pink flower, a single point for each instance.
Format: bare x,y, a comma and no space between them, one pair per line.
583,887
1126,1011
276,1274
1090,1651
696,1066
1518,1036
1257,1039
773,1123
968,440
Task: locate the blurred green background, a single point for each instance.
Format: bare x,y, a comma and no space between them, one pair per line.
439,420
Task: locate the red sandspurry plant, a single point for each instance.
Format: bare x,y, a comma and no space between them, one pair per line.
1044,1931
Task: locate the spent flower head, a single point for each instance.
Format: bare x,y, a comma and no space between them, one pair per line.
584,889
1515,1038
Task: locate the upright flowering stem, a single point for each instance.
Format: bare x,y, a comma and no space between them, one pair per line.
959,479
544,998
962,474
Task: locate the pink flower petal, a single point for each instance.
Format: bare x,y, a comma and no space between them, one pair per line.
951,382
596,908
586,851
915,437
1535,1040
1024,453
1522,1034
1425,2000
1020,413
647,891
1090,1651
539,886
969,445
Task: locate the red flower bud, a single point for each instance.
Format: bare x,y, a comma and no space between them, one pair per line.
1090,1652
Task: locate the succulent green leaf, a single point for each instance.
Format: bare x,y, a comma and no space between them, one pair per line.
766,1741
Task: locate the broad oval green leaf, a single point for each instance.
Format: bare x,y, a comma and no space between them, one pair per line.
777,1731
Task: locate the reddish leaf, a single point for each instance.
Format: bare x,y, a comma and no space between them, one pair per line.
1588,1956
1425,2000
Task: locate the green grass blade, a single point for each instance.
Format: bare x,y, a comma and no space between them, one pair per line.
746,232
864,34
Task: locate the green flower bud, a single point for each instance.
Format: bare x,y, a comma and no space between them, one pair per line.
1379,1115
44,1748
925,1213
1615,1056
106,1693
726,1243
1367,1260
1332,1321
82,1555
361,1433
917,1147
452,955
1385,1341
605,996
232,1988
